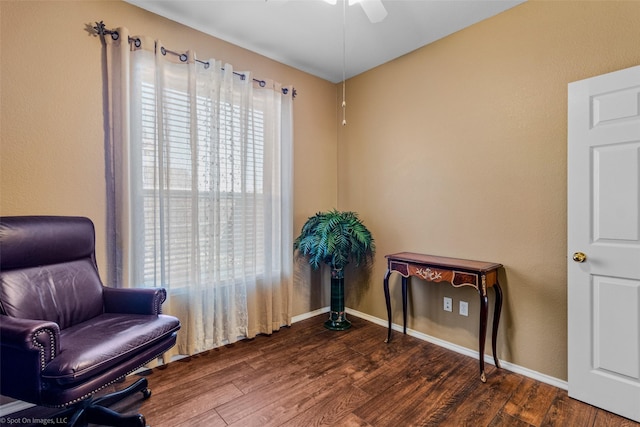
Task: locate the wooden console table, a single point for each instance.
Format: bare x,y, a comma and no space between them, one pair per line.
458,272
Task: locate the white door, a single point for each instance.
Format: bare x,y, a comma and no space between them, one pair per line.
604,225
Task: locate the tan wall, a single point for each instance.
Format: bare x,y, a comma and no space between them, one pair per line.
459,149
51,126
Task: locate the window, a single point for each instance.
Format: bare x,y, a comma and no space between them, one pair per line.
204,188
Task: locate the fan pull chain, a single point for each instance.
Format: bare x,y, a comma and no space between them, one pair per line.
344,62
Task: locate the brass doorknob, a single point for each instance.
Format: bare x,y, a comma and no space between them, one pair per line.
579,257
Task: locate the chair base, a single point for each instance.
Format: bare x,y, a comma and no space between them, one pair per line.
95,411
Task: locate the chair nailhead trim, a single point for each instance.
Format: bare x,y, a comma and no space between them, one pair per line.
159,298
52,343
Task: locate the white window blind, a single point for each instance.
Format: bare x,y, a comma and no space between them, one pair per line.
214,178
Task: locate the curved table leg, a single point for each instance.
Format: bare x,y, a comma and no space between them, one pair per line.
484,302
387,299
404,303
496,321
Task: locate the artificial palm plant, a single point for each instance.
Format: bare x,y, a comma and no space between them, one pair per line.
335,238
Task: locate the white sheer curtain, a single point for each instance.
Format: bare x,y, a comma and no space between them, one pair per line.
201,195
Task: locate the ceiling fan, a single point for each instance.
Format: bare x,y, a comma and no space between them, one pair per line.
374,9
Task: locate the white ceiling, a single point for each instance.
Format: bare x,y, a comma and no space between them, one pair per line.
308,34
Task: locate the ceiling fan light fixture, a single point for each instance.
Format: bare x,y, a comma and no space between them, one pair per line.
374,9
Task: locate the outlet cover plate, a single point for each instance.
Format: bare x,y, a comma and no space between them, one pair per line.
447,304
464,308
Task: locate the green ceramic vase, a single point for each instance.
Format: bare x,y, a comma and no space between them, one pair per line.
337,316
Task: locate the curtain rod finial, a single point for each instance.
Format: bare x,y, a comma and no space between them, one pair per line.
102,31
100,28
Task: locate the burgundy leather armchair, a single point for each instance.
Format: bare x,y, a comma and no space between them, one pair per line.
63,335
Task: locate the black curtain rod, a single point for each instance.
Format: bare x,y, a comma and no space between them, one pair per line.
102,31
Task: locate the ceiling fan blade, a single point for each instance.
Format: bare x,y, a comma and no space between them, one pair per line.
374,10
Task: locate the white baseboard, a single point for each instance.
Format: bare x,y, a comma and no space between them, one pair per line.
309,315
466,351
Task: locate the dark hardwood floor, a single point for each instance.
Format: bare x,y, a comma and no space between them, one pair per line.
309,376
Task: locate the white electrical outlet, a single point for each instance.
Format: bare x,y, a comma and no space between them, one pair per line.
464,308
448,304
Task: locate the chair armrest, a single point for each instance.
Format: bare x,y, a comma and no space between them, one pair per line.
29,338
134,300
